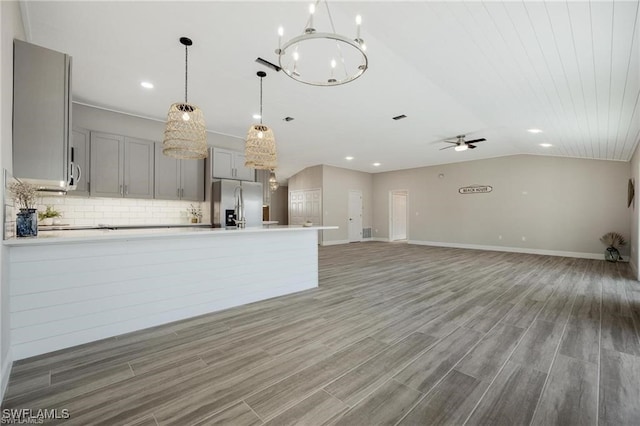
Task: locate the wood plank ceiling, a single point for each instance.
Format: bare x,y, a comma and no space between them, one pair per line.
489,69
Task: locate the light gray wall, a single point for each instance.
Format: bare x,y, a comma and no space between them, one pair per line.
10,28
336,184
128,125
309,178
557,204
279,206
634,255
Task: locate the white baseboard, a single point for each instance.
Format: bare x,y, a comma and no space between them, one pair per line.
6,372
597,256
334,242
383,239
339,242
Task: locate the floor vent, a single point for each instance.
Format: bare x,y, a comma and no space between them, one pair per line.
366,232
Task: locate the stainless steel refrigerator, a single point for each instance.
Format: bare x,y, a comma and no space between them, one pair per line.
225,196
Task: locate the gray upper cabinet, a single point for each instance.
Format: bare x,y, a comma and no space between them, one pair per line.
178,179
80,161
107,165
227,164
138,168
41,114
121,167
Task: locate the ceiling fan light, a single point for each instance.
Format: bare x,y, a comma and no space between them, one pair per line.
462,147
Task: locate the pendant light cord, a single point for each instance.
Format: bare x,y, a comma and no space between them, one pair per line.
260,100
186,73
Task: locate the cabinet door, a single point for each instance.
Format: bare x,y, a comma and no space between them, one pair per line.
192,180
242,172
81,160
222,164
167,175
138,168
107,165
41,97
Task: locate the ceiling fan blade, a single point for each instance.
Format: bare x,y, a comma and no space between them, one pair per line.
447,147
450,142
471,146
477,140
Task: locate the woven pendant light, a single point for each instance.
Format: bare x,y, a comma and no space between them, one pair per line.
260,146
273,182
185,135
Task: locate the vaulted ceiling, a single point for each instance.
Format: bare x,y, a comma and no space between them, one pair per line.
487,69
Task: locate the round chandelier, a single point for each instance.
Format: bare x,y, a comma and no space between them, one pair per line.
322,58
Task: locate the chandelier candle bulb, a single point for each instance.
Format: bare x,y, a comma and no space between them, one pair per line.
312,10
358,23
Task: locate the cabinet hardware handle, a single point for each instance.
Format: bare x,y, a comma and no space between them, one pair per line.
126,190
121,193
178,192
79,173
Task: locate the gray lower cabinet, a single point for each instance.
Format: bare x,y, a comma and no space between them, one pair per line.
80,161
121,166
178,179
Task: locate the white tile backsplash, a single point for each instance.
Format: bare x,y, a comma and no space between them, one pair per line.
121,211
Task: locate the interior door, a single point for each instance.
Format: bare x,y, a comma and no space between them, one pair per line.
313,206
296,207
399,216
355,216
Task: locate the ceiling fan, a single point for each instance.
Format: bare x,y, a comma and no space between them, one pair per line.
460,144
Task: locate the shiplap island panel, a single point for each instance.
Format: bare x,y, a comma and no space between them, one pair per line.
71,289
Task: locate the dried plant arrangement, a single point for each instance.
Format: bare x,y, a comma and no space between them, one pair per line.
613,239
24,194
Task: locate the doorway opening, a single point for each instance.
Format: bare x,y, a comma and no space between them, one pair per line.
398,218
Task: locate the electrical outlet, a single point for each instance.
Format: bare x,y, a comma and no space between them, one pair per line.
499,237
524,238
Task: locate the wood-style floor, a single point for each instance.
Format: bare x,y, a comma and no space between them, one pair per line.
396,334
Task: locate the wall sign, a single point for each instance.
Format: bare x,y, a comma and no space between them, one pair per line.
475,189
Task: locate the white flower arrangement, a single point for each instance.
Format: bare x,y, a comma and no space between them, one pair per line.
24,194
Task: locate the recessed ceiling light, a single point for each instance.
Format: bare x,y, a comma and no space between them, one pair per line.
546,145
256,116
146,84
349,158
376,164
534,131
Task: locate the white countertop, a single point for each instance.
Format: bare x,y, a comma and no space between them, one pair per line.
98,235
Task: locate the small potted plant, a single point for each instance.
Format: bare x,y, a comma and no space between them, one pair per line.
24,195
612,240
195,213
46,217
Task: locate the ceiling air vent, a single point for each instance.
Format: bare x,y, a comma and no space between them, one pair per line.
399,117
288,119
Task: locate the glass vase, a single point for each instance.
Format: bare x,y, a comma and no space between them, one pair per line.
27,223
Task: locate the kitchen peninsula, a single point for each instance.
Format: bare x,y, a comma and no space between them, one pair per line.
72,287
